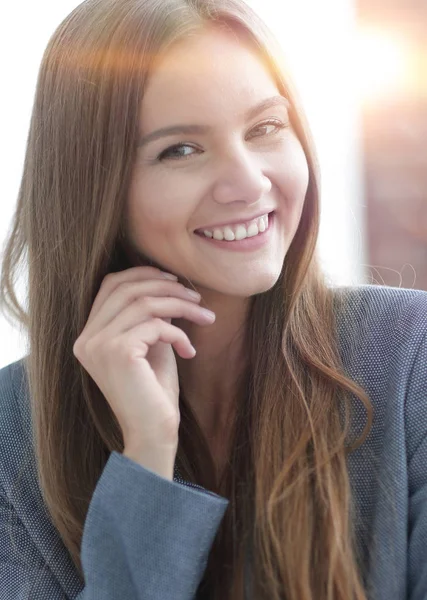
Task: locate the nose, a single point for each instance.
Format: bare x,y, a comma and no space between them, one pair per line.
240,178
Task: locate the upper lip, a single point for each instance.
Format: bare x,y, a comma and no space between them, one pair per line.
236,221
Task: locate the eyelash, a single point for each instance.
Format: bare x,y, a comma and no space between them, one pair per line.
163,155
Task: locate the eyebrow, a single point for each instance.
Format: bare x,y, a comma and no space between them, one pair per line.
203,129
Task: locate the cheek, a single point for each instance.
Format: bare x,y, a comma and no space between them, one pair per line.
292,172
157,205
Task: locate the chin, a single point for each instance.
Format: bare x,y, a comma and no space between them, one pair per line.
251,285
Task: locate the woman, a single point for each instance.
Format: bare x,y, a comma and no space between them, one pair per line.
275,449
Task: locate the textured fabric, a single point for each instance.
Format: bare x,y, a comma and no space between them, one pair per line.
146,538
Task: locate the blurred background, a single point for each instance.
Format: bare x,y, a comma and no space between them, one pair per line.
360,67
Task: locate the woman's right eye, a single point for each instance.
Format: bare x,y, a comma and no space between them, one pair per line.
174,152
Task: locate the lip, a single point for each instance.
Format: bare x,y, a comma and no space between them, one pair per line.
248,244
235,221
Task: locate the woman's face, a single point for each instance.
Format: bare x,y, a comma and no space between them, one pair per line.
232,157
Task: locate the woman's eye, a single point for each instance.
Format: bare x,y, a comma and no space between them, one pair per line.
178,152
268,128
175,152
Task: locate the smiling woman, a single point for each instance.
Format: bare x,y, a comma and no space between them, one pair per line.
175,452
245,161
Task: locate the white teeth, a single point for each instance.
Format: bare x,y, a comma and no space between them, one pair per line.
253,230
239,232
228,234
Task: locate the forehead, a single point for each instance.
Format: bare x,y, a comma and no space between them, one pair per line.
213,72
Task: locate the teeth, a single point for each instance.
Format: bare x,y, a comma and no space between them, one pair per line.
238,232
253,230
241,232
228,234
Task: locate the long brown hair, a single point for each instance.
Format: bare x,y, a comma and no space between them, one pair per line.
287,479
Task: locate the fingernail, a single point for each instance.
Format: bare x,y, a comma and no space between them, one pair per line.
209,313
169,276
193,294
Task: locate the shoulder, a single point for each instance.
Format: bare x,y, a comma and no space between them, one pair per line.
383,341
382,305
33,545
15,411
12,378
16,444
383,321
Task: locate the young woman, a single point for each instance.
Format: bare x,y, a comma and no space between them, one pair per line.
286,457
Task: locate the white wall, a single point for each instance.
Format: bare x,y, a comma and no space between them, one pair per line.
317,39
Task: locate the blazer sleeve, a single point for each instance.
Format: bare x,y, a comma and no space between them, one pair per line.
416,441
144,538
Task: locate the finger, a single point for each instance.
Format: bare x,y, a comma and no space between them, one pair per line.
113,280
135,344
129,293
146,309
158,330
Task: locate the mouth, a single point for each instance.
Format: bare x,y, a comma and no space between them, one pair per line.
255,236
236,231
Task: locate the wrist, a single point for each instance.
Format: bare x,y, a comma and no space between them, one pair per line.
161,462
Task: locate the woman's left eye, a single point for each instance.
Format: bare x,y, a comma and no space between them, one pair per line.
272,123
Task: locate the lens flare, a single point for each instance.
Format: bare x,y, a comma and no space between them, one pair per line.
384,64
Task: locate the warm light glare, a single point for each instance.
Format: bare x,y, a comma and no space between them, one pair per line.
383,63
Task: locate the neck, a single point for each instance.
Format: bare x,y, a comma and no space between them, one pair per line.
208,381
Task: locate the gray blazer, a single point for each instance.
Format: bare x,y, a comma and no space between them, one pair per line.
147,538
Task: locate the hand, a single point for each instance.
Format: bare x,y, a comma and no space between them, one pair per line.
126,347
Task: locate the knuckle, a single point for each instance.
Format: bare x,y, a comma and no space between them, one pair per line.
158,322
81,353
108,277
144,302
125,288
129,291
77,348
88,348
